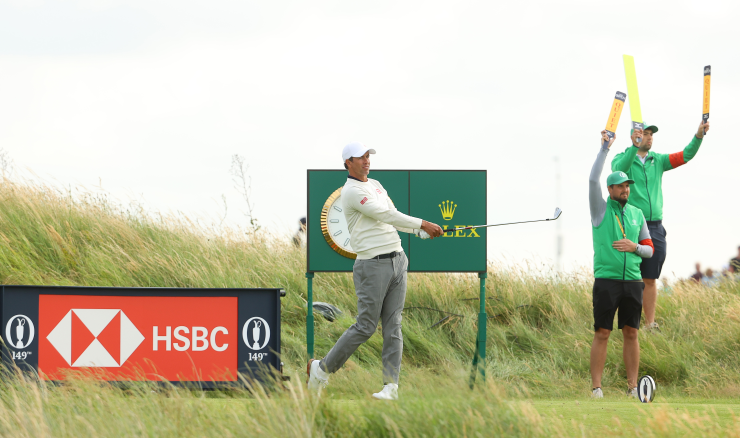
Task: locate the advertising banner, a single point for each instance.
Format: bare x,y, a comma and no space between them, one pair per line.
179,335
449,198
322,184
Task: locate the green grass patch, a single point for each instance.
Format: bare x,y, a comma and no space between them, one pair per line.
663,417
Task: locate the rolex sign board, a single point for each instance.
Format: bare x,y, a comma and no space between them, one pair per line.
181,335
449,198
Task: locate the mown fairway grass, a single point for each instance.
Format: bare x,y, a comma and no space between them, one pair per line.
667,416
539,338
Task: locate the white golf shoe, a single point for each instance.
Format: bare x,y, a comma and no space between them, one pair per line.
389,392
597,393
317,378
632,392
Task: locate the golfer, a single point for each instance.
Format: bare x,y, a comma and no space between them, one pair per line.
621,241
646,168
379,273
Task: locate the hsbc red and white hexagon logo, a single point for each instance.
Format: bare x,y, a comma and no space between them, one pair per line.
139,337
95,337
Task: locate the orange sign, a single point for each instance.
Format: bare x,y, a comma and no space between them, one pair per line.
139,337
707,81
615,113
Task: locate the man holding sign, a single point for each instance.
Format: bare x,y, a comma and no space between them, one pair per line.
646,168
621,241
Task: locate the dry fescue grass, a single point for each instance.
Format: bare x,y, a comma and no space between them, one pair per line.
87,408
539,332
436,407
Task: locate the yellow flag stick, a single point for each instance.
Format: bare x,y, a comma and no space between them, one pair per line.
614,114
629,72
707,81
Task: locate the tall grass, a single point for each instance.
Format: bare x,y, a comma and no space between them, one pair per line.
89,408
539,331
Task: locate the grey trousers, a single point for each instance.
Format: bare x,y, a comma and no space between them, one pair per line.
380,286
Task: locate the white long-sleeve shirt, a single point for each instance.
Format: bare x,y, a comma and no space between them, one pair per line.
373,220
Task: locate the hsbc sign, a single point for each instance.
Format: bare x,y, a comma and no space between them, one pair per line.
182,335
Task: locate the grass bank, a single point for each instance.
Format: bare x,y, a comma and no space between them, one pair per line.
433,406
539,327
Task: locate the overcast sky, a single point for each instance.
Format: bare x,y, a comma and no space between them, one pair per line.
150,99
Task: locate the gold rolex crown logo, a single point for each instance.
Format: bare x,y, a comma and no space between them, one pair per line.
448,210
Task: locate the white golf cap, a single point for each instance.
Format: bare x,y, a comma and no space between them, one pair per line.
355,149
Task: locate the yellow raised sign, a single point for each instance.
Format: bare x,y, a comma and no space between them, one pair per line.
631,76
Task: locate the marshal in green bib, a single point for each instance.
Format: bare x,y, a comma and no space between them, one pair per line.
619,222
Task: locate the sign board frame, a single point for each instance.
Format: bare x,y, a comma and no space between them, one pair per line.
418,181
406,189
85,305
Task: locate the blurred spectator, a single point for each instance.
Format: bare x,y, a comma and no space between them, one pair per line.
709,279
300,235
666,288
735,263
697,275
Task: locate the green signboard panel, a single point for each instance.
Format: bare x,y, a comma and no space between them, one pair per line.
451,199
321,184
447,198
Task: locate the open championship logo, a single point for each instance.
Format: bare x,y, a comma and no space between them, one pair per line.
19,327
254,330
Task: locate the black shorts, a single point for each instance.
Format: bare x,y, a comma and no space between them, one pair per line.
610,295
651,268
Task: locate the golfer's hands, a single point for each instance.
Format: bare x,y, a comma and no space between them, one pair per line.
605,139
625,245
703,127
636,137
433,230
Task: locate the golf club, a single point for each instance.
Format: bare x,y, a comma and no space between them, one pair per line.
423,234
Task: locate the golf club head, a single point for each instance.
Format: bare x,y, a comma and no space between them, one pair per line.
557,214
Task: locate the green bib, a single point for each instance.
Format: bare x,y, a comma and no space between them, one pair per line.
608,262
